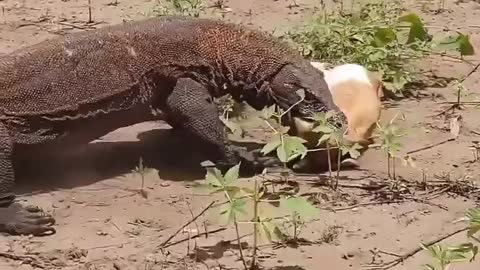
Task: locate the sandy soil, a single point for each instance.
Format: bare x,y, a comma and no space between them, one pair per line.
104,223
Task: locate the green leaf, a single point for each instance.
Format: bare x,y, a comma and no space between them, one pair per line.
269,230
473,216
202,188
324,138
291,148
460,43
268,112
214,177
417,28
395,147
354,153
272,145
232,210
377,55
293,140
465,46
460,253
232,174
294,147
399,80
320,117
323,129
233,127
232,191
301,206
383,36
282,154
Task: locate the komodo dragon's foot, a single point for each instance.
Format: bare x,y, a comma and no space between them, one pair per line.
16,219
254,162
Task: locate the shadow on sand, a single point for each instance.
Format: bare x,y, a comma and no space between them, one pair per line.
175,156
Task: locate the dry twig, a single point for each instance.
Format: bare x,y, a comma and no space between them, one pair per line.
26,259
430,146
193,237
164,243
362,204
411,253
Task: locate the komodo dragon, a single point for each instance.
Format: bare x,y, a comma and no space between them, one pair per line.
76,88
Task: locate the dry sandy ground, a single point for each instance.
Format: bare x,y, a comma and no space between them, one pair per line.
103,223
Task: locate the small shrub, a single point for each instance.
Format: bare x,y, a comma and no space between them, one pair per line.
444,255
191,8
298,209
378,36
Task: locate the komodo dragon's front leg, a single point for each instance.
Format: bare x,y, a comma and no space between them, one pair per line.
190,107
14,218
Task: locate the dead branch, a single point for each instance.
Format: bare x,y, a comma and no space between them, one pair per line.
26,259
164,243
461,103
193,237
470,73
457,105
430,146
425,201
411,253
361,204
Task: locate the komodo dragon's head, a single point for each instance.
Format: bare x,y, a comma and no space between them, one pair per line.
302,86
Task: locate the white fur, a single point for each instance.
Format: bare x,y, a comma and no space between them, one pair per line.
343,73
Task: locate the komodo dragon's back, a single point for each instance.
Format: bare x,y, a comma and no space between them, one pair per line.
96,71
77,88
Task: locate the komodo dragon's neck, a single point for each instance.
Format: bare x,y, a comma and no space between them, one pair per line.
245,62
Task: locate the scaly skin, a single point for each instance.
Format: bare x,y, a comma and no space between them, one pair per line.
74,89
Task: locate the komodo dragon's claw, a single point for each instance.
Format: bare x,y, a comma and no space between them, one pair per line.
25,220
256,162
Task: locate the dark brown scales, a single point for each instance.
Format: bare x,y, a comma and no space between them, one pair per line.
127,52
76,88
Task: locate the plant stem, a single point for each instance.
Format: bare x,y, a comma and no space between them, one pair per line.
329,165
255,225
239,242
458,95
339,159
294,226
90,11
393,167
291,107
388,165
237,233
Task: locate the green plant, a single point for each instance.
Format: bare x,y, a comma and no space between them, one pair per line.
444,255
389,135
287,147
141,170
323,125
299,210
379,36
191,8
231,109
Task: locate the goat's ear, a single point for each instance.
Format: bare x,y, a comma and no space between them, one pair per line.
376,80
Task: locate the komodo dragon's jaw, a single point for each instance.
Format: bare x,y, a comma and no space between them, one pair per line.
304,90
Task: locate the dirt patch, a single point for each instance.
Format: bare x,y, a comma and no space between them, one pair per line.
104,223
